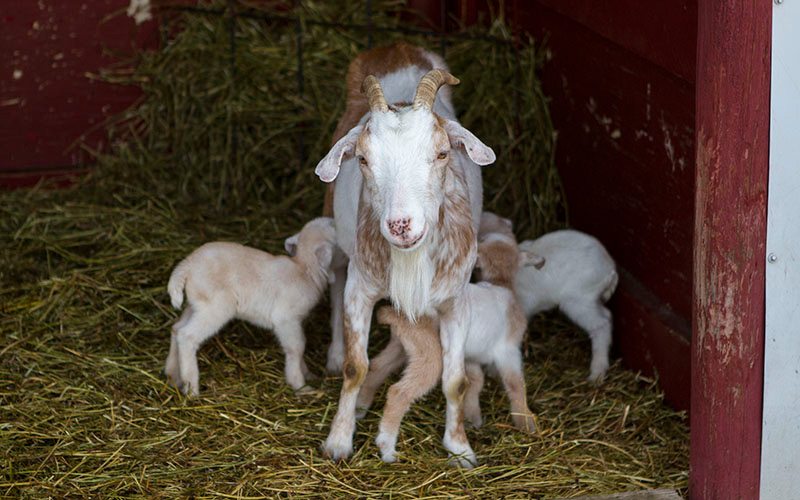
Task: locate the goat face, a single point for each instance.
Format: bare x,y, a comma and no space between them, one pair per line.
403,152
403,155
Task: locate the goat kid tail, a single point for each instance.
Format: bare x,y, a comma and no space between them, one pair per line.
177,281
610,286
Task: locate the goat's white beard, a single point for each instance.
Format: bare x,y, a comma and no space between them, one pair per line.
410,280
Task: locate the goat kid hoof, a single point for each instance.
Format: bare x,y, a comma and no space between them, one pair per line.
335,365
361,412
336,451
389,458
528,425
475,421
189,391
306,390
463,461
596,378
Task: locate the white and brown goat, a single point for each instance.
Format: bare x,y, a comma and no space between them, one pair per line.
407,204
222,281
497,326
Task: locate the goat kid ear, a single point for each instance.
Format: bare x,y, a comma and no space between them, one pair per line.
290,245
328,168
324,255
477,151
528,258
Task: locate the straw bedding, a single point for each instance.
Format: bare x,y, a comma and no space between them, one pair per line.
213,153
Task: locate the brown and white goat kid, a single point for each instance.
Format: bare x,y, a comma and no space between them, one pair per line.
223,281
406,203
497,327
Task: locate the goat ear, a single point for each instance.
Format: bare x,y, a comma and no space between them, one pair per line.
477,151
290,244
328,168
528,258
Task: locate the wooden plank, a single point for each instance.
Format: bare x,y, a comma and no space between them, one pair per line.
733,85
661,31
652,340
780,455
662,494
46,100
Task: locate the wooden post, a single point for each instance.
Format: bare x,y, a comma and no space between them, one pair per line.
732,144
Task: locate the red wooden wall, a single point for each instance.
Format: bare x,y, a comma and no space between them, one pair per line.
733,121
47,99
622,83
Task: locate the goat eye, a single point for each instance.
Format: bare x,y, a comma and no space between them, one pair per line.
362,161
442,155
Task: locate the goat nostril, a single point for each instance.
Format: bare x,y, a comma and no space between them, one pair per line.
399,227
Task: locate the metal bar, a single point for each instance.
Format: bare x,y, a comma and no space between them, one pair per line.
298,30
232,55
443,28
369,24
255,14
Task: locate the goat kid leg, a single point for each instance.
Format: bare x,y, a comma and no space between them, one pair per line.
421,343
453,331
336,349
595,319
171,366
510,368
293,342
419,377
472,403
390,359
201,326
357,317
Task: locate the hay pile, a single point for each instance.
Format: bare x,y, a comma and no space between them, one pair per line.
213,153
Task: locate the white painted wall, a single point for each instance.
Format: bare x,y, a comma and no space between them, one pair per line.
780,451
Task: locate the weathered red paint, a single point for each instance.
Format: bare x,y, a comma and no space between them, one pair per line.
733,88
47,101
626,157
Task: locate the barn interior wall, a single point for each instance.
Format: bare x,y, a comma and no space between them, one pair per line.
623,95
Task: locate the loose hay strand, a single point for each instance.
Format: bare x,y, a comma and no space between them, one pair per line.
84,316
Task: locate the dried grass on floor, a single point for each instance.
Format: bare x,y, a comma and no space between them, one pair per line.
84,315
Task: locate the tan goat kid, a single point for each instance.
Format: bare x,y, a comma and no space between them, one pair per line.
497,325
223,281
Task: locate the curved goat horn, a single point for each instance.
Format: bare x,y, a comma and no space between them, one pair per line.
429,85
372,87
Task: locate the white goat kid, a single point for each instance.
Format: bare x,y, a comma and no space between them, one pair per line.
496,329
223,281
407,206
578,277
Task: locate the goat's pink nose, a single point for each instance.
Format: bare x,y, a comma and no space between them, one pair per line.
399,227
